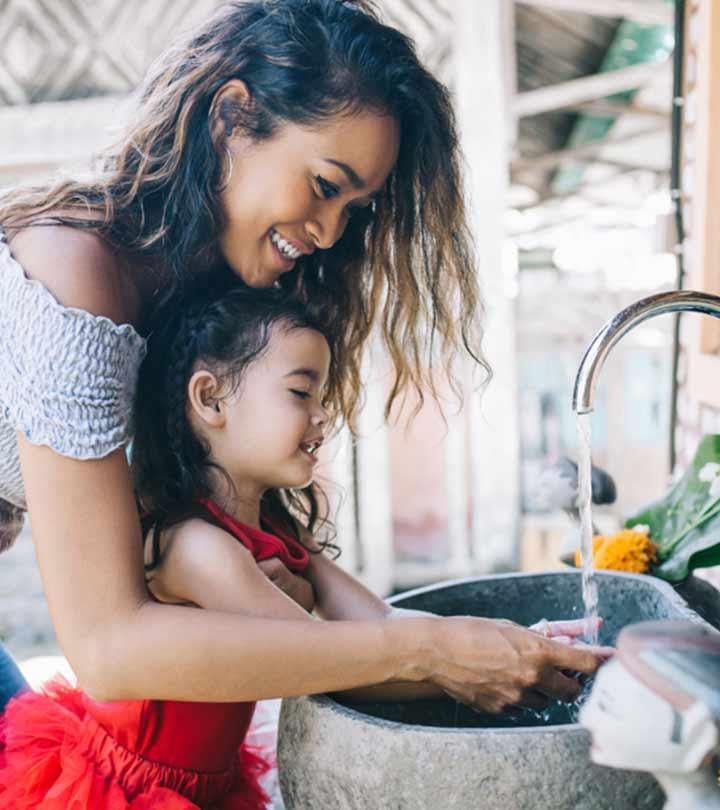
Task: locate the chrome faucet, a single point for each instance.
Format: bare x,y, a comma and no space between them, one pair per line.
598,350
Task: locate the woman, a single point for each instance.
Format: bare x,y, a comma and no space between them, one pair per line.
296,143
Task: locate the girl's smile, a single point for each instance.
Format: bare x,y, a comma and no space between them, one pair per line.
311,449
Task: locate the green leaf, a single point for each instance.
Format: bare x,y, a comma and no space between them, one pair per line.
683,545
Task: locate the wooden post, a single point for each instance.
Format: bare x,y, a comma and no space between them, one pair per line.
701,188
494,443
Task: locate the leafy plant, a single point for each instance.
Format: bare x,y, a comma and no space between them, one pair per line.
686,522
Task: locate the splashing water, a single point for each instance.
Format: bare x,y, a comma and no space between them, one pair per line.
584,502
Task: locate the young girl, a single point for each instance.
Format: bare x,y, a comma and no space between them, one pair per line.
231,412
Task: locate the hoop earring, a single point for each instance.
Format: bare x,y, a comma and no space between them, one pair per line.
228,172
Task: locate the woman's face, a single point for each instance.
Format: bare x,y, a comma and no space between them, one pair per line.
295,193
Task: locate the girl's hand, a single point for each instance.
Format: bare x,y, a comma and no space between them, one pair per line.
491,664
568,632
295,586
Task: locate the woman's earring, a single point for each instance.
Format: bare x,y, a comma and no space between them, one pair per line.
228,170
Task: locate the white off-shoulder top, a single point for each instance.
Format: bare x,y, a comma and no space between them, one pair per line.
67,377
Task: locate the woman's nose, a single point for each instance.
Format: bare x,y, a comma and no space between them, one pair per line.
326,229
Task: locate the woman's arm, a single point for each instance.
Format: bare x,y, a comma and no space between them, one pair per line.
204,565
122,645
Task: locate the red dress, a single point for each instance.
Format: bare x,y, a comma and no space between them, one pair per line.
64,751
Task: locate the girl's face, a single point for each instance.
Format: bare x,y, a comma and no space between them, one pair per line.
274,422
295,193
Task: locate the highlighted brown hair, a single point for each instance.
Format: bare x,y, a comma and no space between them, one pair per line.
409,268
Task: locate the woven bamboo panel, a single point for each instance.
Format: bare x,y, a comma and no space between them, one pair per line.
57,50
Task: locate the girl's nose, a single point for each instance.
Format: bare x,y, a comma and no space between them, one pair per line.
320,416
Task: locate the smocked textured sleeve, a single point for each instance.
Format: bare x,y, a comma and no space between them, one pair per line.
67,378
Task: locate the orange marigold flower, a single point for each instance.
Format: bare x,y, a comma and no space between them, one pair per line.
628,550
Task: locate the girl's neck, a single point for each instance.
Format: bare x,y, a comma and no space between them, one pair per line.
244,509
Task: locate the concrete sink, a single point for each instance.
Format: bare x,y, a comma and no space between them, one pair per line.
432,755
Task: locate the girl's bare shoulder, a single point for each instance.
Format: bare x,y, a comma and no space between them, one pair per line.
79,268
195,557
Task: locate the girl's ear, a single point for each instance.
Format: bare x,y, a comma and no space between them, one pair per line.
204,399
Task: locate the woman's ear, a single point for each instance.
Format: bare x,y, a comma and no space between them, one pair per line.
226,110
204,398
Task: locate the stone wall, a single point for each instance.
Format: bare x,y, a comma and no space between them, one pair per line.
25,625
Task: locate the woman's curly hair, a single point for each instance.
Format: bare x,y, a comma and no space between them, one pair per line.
408,269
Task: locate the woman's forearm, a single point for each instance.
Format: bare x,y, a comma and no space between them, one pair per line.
122,645
181,653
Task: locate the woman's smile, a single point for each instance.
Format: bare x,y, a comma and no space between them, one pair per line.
287,251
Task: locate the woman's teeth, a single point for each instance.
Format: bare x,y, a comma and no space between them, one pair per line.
287,250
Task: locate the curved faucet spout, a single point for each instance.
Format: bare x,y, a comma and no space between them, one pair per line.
598,350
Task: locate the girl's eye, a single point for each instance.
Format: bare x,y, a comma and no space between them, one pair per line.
327,190
300,394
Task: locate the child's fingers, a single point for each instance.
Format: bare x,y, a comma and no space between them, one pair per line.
575,627
601,651
566,627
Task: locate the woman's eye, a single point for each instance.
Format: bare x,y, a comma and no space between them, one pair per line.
366,212
327,190
300,394
361,210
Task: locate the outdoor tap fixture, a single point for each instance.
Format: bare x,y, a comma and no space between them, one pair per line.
656,707
557,488
621,324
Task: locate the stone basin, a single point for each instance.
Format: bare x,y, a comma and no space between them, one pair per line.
432,755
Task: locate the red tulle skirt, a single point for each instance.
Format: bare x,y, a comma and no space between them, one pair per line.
55,755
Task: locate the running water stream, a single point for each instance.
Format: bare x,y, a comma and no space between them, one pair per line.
584,503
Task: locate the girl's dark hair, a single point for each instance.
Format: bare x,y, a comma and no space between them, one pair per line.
226,327
408,269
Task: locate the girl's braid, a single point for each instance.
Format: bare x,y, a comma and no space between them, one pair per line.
183,353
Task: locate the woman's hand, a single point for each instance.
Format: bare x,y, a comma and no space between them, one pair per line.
295,586
491,664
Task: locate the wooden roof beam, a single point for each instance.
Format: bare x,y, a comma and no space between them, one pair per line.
587,88
614,109
583,152
650,12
